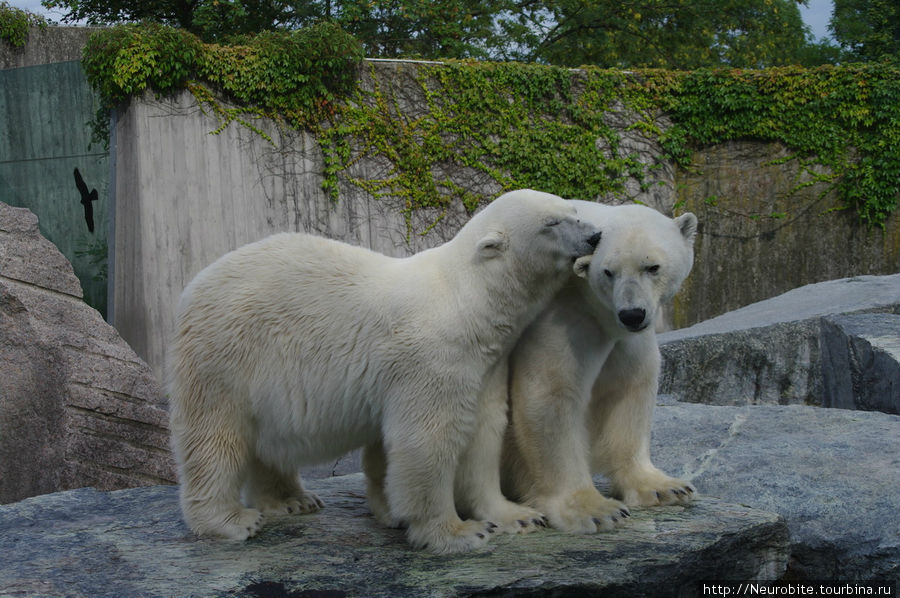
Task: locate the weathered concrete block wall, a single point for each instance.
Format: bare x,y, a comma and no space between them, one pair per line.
184,197
758,240
46,46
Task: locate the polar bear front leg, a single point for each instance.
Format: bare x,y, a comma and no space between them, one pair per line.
547,450
621,414
422,456
477,481
275,492
561,486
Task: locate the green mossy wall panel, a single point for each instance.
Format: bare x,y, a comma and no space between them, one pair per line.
44,136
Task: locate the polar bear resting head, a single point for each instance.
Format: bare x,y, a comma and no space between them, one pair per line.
296,349
642,262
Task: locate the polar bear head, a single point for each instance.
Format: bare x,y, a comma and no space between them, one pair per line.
540,232
642,261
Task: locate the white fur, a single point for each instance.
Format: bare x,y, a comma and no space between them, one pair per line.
297,349
584,376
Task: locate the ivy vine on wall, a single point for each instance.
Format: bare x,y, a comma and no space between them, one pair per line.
522,125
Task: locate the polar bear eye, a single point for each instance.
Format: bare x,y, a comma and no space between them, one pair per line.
550,223
608,273
653,269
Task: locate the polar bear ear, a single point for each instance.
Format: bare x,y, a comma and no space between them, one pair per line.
582,265
492,244
687,224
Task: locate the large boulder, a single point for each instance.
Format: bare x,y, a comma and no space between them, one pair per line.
832,474
861,362
768,352
133,543
77,406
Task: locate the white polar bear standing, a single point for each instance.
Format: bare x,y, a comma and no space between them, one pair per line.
584,376
296,349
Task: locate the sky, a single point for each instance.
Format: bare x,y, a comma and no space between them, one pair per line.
815,15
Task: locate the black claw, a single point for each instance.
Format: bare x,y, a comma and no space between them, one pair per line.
480,535
521,523
597,521
491,524
490,530
538,522
689,489
658,496
625,512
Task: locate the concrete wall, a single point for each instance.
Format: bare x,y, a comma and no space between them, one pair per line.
184,197
758,240
46,46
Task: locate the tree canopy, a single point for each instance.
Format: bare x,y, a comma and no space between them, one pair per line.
680,34
867,29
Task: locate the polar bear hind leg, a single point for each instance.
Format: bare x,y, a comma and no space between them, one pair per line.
623,399
213,453
374,464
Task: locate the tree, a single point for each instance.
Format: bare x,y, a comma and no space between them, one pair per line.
868,30
682,34
387,28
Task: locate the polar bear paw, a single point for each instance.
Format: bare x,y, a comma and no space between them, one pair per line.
299,505
448,537
513,518
584,511
649,489
239,525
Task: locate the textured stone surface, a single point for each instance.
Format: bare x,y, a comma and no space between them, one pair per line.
861,362
77,406
44,46
767,226
767,352
132,543
832,474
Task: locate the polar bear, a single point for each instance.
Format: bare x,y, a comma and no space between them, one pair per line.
583,376
296,349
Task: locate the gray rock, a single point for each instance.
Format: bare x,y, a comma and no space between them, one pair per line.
832,474
133,543
767,352
77,406
861,362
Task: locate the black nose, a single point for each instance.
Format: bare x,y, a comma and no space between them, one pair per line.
632,318
593,240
